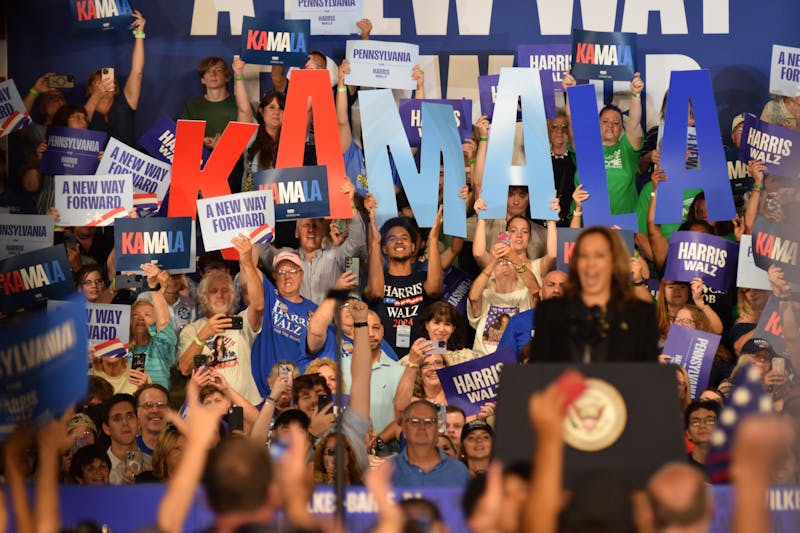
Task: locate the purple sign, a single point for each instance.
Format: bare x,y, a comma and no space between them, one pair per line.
411,115
699,255
770,326
694,350
72,151
775,243
159,141
553,57
487,89
473,383
777,147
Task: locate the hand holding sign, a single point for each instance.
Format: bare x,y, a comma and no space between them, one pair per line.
780,287
637,85
155,275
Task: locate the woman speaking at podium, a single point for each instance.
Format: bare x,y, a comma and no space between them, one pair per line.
599,318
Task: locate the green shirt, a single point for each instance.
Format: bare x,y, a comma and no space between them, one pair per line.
216,114
621,161
644,203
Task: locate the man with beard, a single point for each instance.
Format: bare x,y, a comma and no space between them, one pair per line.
217,296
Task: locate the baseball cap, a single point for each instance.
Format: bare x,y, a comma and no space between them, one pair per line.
757,345
475,425
81,419
287,255
738,119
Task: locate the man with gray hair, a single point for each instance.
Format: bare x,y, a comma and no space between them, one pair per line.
223,341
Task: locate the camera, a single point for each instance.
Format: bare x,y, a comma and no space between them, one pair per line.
61,81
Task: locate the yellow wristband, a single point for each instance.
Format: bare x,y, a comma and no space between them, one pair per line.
341,89
198,342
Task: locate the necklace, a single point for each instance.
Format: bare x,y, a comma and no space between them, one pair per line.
558,156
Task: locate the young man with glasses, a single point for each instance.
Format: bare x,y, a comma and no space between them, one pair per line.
700,419
421,463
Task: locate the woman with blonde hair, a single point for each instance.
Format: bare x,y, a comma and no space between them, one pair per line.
325,462
325,367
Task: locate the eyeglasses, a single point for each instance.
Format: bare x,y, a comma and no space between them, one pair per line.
433,364
417,422
562,127
330,452
683,321
707,421
284,271
150,405
89,282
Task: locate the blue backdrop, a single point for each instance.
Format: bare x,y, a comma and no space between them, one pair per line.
732,38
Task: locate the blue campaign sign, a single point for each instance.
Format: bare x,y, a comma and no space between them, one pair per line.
777,147
556,58
159,140
699,255
471,384
44,363
487,91
275,42
72,151
35,277
411,115
600,55
694,350
164,241
100,14
299,192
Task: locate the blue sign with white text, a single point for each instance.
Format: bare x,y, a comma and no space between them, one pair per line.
275,42
300,192
164,241
34,278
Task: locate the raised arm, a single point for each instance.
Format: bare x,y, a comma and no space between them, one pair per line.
479,251
249,410
715,324
480,156
578,196
318,325
658,243
244,111
260,430
375,279
405,387
633,128
345,132
53,442
253,280
567,81
158,278
475,296
38,88
435,279
133,86
361,365
756,169
418,75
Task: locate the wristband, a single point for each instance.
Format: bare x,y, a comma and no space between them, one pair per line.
269,399
471,161
239,78
634,95
34,92
412,365
156,288
756,186
198,342
652,194
360,325
485,274
138,35
341,89
577,213
484,138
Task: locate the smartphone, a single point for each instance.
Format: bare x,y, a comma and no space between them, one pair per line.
779,364
284,370
439,348
323,401
504,237
571,383
352,264
107,73
235,419
137,361
237,322
133,461
442,416
199,361
61,81
70,240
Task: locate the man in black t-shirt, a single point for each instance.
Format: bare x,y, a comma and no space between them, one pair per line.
399,292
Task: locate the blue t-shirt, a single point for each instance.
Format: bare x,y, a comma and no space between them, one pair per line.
448,473
283,325
519,331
